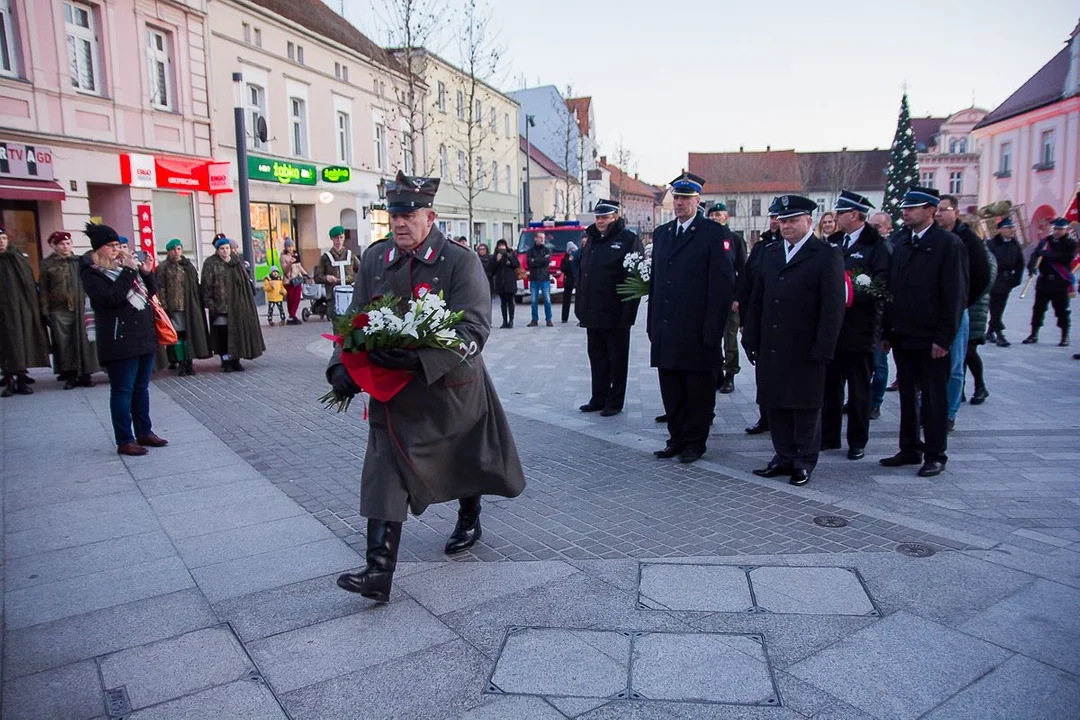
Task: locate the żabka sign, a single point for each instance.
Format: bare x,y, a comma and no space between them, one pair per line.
149,171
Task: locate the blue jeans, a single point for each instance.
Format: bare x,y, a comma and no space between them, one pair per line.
537,288
129,396
880,380
956,359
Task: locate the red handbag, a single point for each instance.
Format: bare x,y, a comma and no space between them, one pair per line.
166,333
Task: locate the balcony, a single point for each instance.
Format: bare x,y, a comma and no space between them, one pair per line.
1043,166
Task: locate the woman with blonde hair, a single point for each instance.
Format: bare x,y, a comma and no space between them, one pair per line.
826,225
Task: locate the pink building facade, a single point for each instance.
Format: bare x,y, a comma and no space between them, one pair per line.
950,162
1030,144
104,115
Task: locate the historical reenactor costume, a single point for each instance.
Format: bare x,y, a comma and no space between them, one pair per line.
1010,273
1052,260
178,291
606,317
64,307
693,283
227,294
928,280
337,267
791,328
865,253
729,356
444,436
23,343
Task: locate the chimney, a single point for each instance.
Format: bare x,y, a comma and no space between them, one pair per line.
603,159
768,148
635,176
740,148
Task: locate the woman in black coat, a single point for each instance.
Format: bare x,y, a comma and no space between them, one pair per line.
568,267
120,289
503,273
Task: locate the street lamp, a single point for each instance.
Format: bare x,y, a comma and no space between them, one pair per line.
530,121
242,172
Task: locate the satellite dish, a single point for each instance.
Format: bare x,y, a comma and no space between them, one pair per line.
326,197
260,129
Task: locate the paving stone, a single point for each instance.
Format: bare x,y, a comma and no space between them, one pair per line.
228,517
572,707
241,700
63,565
192,480
708,588
458,585
559,662
496,707
251,491
251,540
702,667
71,692
924,664
1019,688
810,591
66,488
168,669
80,522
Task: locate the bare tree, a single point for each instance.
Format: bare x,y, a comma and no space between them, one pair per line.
623,159
569,145
843,170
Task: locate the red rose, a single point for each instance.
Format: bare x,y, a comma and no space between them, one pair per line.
422,289
361,321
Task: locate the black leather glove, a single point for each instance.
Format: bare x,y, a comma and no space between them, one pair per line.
396,359
342,383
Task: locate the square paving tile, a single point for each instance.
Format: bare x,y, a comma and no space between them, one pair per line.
560,662
703,588
810,591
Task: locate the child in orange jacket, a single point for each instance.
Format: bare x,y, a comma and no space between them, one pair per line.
274,288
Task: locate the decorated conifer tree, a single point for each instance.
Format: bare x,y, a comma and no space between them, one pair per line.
903,170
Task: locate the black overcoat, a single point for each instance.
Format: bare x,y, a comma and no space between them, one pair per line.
693,283
1057,256
745,285
862,321
122,331
793,323
598,306
503,271
1010,263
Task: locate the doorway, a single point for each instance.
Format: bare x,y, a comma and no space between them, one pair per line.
271,225
20,220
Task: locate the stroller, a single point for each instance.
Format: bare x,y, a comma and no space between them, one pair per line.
316,295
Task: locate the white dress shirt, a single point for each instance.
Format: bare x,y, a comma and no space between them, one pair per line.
791,250
852,238
685,226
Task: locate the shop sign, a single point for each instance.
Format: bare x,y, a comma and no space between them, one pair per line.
146,230
30,162
148,171
336,174
280,171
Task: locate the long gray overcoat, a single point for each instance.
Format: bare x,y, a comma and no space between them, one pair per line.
444,436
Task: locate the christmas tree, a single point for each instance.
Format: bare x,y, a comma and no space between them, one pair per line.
903,170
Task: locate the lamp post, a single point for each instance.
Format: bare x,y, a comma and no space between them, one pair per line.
242,172
530,121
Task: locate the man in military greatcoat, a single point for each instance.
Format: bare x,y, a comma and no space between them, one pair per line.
1010,262
692,286
444,436
729,356
792,325
1052,260
337,266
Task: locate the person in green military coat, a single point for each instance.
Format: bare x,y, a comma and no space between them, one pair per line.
23,343
444,436
227,293
178,291
63,306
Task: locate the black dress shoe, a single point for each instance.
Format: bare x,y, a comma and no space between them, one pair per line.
71,384
856,454
875,413
668,452
1030,339
757,429
773,470
893,387
901,458
931,468
799,477
661,418
830,446
468,530
690,456
1002,341
980,396
591,407
609,412
728,387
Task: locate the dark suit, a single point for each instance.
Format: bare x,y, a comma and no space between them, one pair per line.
692,286
791,328
853,362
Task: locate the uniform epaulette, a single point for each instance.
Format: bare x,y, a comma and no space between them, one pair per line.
458,243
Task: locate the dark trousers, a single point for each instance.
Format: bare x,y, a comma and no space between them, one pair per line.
796,437
919,375
689,401
729,363
1059,299
567,302
609,356
997,309
129,396
854,369
506,304
974,363
880,380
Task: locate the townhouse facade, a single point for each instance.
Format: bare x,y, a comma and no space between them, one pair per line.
947,156
553,193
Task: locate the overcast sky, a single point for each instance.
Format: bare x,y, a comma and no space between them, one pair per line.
672,77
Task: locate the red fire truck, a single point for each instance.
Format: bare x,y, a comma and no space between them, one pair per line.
557,233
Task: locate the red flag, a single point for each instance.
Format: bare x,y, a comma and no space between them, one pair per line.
1070,212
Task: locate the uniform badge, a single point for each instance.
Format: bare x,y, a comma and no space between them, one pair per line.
857,255
616,246
429,254
391,255
418,182
727,245
784,200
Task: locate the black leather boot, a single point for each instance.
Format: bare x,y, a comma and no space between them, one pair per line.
1032,338
7,383
1064,338
374,581
22,385
467,531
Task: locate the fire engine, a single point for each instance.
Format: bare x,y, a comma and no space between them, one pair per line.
557,233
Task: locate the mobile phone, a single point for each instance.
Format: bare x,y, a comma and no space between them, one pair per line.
140,255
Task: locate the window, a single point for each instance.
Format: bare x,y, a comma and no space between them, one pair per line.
380,146
927,179
375,85
460,105
509,181
290,50
444,162
258,37
159,68
337,70
495,176
298,121
344,138
481,180
256,110
247,32
952,146
821,205
506,124
955,182
382,89
7,40
963,145
82,47
478,114
492,119
1047,154
731,206
407,150
558,201
755,207
441,96
345,73
461,166
1005,160
300,54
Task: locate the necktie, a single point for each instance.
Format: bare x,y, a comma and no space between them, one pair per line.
679,232
847,241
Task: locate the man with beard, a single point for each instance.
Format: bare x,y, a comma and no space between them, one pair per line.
23,343
729,361
692,287
178,291
792,324
1010,262
227,295
1052,259
337,267
444,436
865,253
63,305
606,317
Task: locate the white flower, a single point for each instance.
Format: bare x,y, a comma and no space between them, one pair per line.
862,280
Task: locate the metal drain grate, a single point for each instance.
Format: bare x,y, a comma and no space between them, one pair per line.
831,521
116,700
917,550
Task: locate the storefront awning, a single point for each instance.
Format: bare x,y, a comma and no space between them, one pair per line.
12,189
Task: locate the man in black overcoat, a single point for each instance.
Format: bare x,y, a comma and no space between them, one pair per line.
792,325
928,281
729,356
1052,260
606,317
1010,262
866,258
692,286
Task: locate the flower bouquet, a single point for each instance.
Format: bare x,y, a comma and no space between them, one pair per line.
639,269
863,283
427,322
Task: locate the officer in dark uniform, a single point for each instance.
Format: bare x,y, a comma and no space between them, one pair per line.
792,324
606,317
1010,263
1053,261
692,285
745,289
729,359
928,280
865,253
